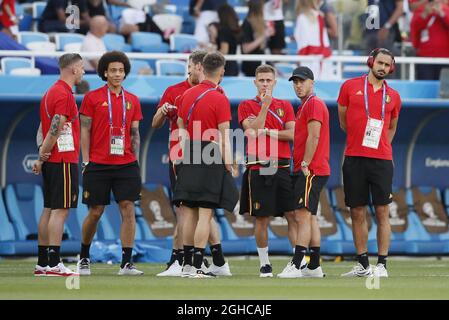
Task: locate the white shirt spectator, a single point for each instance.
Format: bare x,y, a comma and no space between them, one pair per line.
92,43
272,10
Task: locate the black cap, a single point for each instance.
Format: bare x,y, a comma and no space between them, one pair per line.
302,73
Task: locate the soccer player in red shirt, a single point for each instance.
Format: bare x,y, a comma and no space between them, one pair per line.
269,125
58,162
310,174
368,110
110,144
168,110
204,180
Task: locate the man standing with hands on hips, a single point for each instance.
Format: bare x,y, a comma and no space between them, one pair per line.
368,110
311,172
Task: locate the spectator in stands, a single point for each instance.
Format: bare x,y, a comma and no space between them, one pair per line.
54,17
429,31
380,25
58,138
274,18
415,4
205,12
229,34
136,20
93,42
311,36
254,35
8,18
212,31
97,8
330,20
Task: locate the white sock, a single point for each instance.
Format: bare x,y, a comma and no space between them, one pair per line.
263,256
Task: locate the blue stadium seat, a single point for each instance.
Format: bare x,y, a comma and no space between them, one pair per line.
116,42
137,65
242,12
289,28
231,242
183,42
63,39
36,12
25,37
171,68
291,46
284,69
6,227
148,42
9,64
25,19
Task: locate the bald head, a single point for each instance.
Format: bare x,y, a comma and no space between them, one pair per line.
98,26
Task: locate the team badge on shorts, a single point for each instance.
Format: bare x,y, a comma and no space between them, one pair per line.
387,99
256,205
74,197
86,194
280,112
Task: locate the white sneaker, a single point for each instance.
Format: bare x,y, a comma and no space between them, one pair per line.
220,271
290,271
188,271
174,270
83,267
266,271
380,271
60,271
129,270
303,263
315,273
40,271
359,271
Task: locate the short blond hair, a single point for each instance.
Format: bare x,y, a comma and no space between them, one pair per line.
265,68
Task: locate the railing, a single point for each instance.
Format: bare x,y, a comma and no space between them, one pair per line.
338,59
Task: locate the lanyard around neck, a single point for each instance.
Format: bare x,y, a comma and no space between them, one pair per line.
196,101
110,108
366,98
272,113
48,113
303,105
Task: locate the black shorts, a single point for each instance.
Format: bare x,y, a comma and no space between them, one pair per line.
99,179
363,175
266,195
60,185
307,190
278,40
172,175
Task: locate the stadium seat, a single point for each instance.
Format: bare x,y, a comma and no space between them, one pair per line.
148,42
9,64
6,227
41,46
38,8
29,72
138,65
117,42
26,37
432,220
63,39
241,11
25,19
291,47
183,43
285,70
171,68
289,28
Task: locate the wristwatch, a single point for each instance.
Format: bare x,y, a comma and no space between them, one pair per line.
304,164
84,164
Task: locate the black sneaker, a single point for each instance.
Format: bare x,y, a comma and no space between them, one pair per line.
266,271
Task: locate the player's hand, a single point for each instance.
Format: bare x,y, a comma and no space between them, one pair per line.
305,171
164,108
37,167
266,99
44,156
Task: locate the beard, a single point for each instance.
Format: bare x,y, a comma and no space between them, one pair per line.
378,76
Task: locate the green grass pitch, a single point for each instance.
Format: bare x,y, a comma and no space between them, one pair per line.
409,279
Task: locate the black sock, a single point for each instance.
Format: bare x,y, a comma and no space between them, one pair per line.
198,257
217,255
314,258
174,253
126,256
383,260
363,259
42,256
300,252
188,255
85,249
53,256
180,256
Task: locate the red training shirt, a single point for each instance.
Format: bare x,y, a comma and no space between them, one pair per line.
171,95
60,100
313,109
95,106
284,110
211,110
5,20
352,97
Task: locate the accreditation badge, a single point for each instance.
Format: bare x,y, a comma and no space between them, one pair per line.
117,141
373,132
65,139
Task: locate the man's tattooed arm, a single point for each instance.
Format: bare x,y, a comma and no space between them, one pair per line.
135,138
